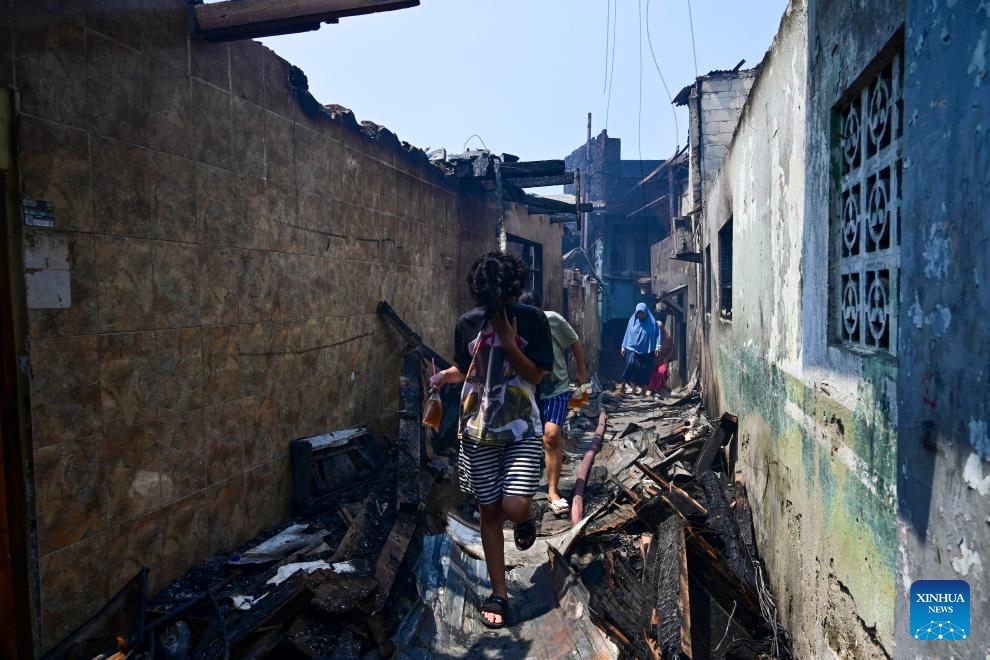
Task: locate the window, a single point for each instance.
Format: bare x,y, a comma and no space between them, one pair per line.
867,202
708,279
725,270
531,254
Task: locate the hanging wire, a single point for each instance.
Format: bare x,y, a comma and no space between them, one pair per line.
639,133
693,50
608,21
611,77
479,140
673,111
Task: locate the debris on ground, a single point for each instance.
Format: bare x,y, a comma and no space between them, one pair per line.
655,558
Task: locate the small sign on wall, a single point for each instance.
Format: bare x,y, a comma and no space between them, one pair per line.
38,213
47,279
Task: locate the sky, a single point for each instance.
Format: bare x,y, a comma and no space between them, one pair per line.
521,76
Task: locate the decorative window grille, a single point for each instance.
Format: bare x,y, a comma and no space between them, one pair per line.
725,270
869,211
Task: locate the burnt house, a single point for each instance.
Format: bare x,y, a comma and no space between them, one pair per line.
630,211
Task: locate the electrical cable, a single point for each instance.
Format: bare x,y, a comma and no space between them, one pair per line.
608,21
639,134
611,78
693,51
649,41
479,140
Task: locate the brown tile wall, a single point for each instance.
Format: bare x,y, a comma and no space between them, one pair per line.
226,254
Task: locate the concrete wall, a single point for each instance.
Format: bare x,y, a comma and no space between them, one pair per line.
667,274
537,228
817,421
943,450
208,291
582,314
714,104
721,98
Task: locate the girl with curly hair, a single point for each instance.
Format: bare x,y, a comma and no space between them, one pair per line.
502,349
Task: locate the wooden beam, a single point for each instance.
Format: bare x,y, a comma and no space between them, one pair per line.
678,500
531,168
723,433
564,179
554,205
243,19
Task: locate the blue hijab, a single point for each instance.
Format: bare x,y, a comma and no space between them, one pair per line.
641,335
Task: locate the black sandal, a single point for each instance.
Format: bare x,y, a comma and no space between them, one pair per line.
495,605
524,534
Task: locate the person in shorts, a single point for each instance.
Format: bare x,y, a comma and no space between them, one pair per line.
502,350
554,397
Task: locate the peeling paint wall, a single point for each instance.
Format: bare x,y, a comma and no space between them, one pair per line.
817,421
668,274
208,291
943,448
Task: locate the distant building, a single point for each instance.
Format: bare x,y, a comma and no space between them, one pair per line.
632,211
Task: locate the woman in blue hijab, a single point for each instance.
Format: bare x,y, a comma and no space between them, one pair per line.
639,346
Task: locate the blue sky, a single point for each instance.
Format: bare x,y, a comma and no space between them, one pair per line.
523,74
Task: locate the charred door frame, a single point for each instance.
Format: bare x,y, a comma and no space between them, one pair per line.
17,614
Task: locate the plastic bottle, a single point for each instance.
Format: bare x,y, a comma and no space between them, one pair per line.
580,397
433,412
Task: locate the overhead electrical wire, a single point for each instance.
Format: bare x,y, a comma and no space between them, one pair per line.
693,50
649,41
611,77
608,22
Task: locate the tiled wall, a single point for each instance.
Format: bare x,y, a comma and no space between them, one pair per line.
225,255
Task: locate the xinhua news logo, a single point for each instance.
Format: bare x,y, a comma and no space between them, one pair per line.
940,610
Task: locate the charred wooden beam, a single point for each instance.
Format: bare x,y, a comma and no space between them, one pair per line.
392,556
668,618
721,520
726,428
531,168
385,310
679,500
547,205
350,545
726,620
410,442
564,179
250,19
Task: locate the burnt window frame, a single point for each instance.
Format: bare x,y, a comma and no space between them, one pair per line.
534,263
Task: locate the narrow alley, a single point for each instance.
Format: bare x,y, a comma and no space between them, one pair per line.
236,316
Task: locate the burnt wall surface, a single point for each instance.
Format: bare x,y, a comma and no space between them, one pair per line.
818,418
208,290
668,274
943,446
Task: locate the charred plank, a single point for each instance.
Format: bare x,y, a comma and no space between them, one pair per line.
726,428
